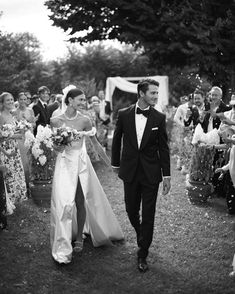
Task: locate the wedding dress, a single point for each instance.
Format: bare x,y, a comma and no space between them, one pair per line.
101,223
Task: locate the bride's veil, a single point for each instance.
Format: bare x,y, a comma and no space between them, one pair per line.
65,92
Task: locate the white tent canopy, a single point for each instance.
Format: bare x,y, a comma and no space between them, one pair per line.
125,85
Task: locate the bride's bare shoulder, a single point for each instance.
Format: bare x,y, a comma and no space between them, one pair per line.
57,121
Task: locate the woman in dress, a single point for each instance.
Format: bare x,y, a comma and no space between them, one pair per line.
78,204
24,113
91,150
15,179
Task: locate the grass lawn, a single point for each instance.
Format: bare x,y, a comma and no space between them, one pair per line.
192,250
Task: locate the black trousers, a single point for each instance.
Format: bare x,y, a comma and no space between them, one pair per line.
141,193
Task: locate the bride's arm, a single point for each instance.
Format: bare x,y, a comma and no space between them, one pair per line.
99,149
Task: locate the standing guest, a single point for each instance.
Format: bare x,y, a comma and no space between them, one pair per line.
90,113
212,120
24,113
58,111
145,159
104,119
15,179
197,112
3,200
229,170
34,101
52,99
3,205
183,129
29,96
41,108
181,111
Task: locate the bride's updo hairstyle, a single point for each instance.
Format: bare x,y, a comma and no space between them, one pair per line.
72,94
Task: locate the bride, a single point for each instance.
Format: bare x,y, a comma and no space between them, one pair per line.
78,203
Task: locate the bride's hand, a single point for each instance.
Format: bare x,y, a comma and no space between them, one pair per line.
59,149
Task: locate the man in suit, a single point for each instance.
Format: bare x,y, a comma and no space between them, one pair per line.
212,118
141,134
41,109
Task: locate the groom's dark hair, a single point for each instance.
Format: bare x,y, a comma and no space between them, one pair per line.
143,85
72,94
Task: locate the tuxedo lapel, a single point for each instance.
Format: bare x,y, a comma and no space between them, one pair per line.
147,130
132,127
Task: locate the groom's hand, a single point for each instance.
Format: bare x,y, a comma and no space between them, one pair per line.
166,185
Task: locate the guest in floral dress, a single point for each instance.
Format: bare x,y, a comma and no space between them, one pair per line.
15,179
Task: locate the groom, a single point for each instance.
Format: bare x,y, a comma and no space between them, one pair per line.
140,156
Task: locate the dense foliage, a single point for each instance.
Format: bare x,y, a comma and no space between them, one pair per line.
198,33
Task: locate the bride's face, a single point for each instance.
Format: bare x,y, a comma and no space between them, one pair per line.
79,102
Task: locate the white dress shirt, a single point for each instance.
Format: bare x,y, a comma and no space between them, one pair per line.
140,123
210,124
43,103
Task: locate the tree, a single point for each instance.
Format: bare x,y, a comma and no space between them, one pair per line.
18,55
177,33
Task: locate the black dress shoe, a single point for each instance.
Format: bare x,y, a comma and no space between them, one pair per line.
142,264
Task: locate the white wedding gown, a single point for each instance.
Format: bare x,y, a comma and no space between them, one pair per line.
101,222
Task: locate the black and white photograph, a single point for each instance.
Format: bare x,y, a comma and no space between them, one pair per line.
117,147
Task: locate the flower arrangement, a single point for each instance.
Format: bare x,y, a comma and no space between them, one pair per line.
64,136
23,126
7,130
42,154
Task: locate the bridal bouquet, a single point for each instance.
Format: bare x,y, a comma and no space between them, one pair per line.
7,130
64,136
23,125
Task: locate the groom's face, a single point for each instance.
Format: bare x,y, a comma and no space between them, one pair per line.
151,95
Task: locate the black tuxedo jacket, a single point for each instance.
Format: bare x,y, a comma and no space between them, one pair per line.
216,120
153,154
44,117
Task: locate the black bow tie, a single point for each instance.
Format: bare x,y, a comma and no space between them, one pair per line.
144,112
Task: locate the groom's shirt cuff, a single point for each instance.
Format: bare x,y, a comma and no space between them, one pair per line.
166,177
115,166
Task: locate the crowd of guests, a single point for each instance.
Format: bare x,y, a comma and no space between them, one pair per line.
37,110
211,113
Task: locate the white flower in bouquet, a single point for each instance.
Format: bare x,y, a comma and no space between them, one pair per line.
49,144
42,160
43,133
29,139
23,125
7,130
36,151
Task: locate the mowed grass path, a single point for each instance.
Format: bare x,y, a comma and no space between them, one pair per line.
192,250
